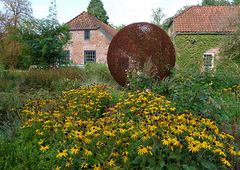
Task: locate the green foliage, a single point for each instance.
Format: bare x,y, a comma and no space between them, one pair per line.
231,45
44,40
157,16
140,131
96,8
98,73
236,2
51,78
190,49
215,2
140,81
11,49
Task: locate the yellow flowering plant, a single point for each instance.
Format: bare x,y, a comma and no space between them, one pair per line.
84,129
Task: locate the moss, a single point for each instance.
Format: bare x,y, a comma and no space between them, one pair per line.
190,49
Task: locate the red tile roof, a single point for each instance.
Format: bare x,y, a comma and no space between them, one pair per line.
207,19
86,21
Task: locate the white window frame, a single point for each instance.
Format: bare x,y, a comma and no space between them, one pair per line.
212,62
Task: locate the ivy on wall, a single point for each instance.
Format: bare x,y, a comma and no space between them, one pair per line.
190,49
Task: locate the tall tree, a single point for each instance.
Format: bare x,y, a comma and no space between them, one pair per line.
13,14
15,11
45,39
45,42
236,2
52,12
157,16
96,8
215,2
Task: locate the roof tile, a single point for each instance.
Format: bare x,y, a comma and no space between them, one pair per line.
207,19
86,21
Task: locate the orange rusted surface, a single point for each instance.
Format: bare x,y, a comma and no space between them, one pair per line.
138,44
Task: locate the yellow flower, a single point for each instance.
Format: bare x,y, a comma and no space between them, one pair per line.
86,140
142,150
225,162
166,141
78,134
39,132
41,141
44,148
115,154
193,147
87,152
74,150
219,151
125,156
68,164
111,163
57,168
84,165
97,167
62,153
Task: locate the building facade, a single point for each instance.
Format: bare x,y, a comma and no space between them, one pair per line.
199,32
90,39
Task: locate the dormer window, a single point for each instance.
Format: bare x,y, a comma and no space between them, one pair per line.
86,34
208,61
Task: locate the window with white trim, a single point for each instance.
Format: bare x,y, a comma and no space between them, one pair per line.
208,61
89,56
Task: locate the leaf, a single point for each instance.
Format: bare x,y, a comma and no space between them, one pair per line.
137,160
208,165
172,167
188,167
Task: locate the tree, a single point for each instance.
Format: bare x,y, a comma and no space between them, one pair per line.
45,39
157,15
13,14
16,11
52,12
96,8
10,48
231,46
215,2
119,27
236,2
167,21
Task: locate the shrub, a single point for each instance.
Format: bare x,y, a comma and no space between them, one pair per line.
98,73
48,78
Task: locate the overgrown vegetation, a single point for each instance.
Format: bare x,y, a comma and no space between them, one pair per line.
84,128
190,49
17,86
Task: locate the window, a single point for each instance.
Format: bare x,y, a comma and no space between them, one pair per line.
86,34
89,56
67,55
208,61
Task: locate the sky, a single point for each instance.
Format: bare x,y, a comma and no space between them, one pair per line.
119,11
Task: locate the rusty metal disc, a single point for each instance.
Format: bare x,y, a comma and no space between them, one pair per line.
138,44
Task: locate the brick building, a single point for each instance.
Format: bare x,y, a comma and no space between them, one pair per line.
90,39
199,32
